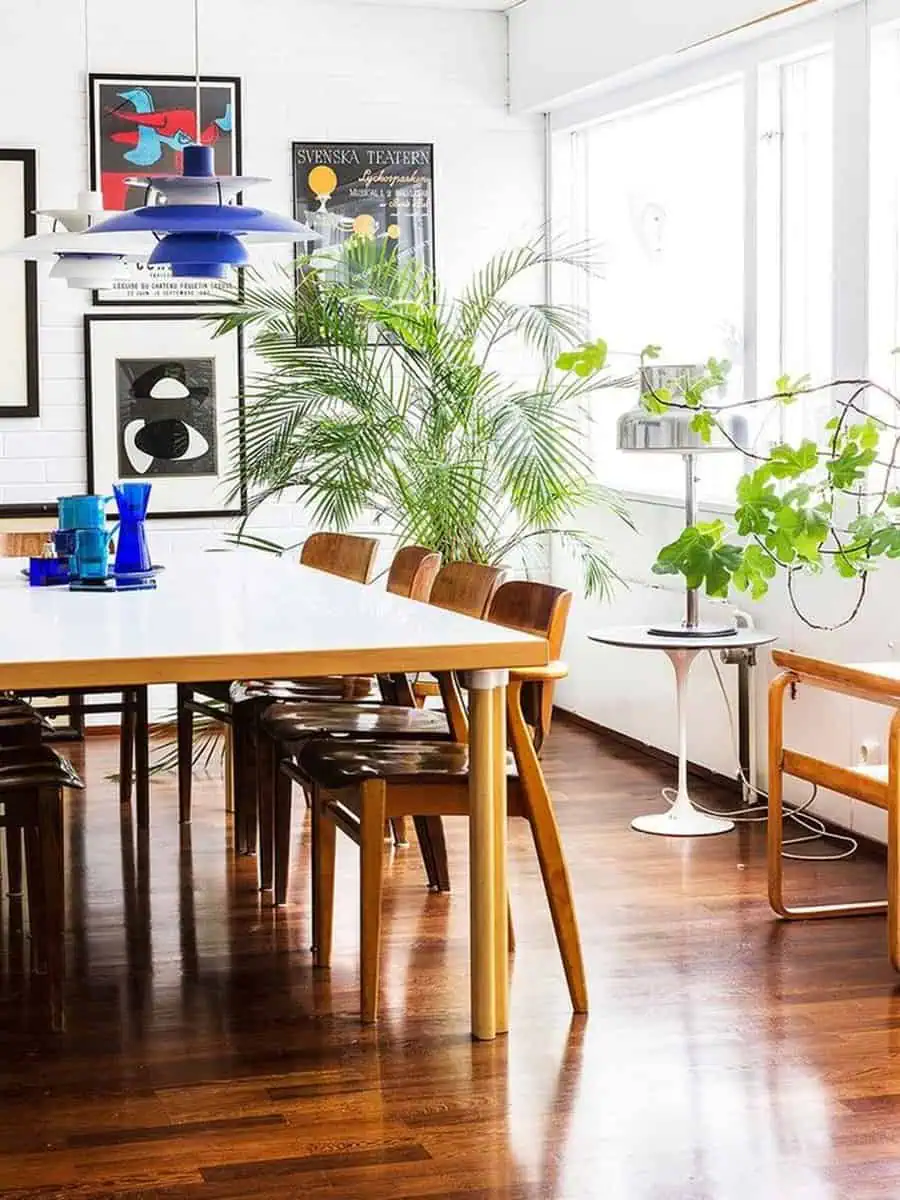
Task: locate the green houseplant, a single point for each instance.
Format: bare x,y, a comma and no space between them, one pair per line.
381,400
829,502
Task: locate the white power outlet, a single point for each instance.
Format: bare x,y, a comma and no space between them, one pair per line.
870,753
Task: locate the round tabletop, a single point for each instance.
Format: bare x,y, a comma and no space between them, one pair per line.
639,637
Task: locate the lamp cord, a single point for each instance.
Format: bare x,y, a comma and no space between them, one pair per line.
197,69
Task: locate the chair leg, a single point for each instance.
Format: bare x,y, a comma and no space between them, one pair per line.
142,757
400,830
76,714
324,840
431,830
558,888
36,899
373,800
246,792
126,747
14,860
510,928
50,826
283,799
185,735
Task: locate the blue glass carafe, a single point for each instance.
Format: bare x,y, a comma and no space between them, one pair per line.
132,552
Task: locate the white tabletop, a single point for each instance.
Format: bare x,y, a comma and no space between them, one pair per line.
230,615
639,637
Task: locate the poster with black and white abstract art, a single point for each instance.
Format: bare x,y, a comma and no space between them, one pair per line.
163,402
166,417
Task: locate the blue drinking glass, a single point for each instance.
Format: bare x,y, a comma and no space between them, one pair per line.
132,551
92,553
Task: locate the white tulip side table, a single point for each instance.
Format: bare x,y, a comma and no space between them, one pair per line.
683,819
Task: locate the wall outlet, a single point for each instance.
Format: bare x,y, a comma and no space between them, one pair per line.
870,753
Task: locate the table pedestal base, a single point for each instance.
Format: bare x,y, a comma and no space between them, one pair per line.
682,819
689,824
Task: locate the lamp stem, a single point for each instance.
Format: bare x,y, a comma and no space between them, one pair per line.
692,610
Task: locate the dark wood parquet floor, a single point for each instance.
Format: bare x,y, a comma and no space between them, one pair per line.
725,1057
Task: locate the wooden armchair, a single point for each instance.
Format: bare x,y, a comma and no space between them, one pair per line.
356,786
877,785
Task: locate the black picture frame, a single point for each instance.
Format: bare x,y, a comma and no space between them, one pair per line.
98,298
93,320
339,156
31,405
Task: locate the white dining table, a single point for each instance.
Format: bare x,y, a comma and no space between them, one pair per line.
232,615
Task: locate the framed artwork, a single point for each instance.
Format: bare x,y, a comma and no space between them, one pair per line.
18,288
378,190
163,398
139,127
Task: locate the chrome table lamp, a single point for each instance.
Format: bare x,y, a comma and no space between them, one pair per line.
670,432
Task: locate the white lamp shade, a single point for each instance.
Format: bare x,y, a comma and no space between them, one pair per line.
89,271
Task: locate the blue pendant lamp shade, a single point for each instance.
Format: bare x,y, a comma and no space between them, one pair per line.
200,237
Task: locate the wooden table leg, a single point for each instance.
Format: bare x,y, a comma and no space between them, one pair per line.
485,748
501,890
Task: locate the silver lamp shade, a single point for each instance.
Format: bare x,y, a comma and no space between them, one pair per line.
670,432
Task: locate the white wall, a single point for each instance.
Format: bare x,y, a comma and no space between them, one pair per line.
633,691
559,48
309,70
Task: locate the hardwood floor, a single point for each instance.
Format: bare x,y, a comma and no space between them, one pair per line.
725,1056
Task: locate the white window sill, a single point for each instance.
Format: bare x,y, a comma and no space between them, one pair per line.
726,508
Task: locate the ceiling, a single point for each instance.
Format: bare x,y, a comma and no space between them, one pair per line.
492,5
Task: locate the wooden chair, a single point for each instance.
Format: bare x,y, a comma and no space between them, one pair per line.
876,785
32,779
357,785
342,554
466,588
131,706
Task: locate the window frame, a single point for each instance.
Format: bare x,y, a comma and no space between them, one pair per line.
847,33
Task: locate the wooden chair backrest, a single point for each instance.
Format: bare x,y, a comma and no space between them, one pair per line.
466,588
343,554
542,610
22,545
413,572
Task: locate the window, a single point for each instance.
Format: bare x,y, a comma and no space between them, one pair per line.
693,264
884,268
666,191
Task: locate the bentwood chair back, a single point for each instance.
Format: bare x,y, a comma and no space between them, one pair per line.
22,545
343,554
412,572
130,706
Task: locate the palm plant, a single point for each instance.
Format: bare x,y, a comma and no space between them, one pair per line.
380,399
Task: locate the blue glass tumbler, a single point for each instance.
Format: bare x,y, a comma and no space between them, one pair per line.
132,551
92,553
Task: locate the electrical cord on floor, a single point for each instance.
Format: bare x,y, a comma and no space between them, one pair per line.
758,813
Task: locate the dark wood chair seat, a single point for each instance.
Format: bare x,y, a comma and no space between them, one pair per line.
335,765
35,767
327,687
295,724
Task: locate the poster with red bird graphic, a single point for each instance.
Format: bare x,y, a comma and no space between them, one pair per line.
140,125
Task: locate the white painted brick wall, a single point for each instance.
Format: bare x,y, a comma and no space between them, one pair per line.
310,69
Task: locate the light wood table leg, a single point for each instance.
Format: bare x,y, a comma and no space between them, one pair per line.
486,750
228,762
501,888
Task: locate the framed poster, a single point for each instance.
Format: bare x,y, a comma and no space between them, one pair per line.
139,127
163,396
18,288
378,190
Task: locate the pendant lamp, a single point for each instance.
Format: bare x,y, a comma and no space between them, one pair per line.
82,264
200,233
199,225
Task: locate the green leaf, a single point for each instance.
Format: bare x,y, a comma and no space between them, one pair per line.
787,462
